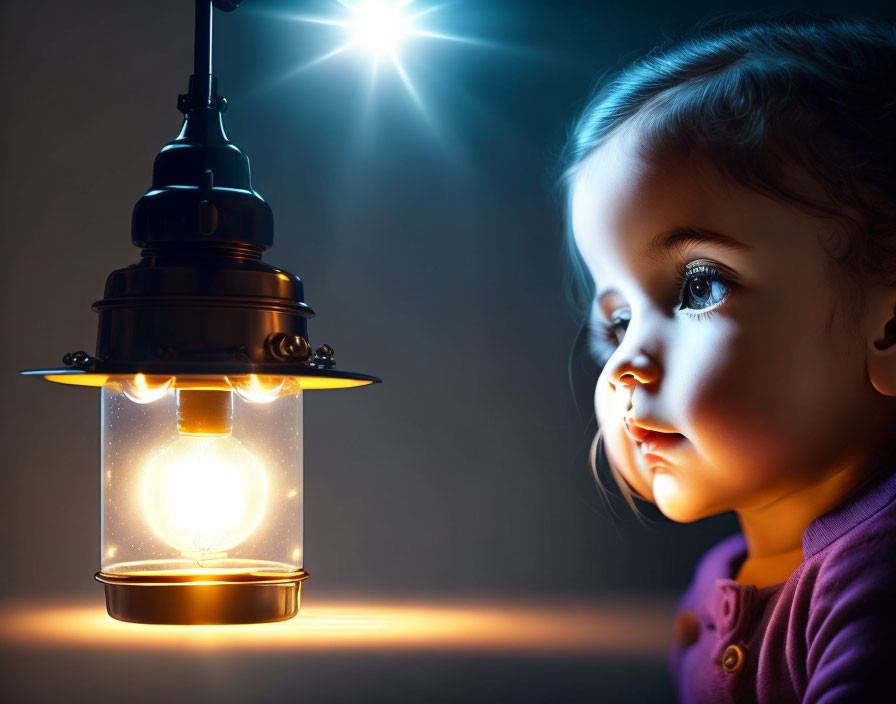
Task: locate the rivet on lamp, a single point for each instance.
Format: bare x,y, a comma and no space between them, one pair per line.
202,359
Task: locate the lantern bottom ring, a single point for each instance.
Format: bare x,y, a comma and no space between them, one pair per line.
194,603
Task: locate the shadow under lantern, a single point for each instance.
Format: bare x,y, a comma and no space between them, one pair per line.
202,358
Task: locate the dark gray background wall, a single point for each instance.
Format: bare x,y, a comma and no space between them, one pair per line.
430,246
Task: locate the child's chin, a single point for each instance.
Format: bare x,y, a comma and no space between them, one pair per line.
675,501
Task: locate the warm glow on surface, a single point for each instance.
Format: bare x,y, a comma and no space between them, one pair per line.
621,629
204,495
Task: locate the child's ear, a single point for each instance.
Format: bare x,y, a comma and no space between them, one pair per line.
881,348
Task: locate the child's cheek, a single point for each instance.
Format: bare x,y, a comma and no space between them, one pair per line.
738,405
624,457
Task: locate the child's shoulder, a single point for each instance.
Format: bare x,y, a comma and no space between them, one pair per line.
842,598
848,552
860,532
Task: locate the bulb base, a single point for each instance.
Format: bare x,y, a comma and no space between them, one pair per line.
140,599
204,413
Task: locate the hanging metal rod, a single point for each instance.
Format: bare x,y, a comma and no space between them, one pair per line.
202,42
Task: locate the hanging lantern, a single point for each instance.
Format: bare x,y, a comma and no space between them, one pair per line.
202,360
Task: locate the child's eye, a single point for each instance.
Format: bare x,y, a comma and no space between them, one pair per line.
605,337
619,321
702,286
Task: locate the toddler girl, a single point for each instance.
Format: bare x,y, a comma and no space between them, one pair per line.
733,201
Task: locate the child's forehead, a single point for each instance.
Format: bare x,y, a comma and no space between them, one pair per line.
625,192
625,198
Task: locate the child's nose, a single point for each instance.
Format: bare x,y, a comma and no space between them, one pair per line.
631,370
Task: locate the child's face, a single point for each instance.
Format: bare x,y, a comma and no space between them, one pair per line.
740,353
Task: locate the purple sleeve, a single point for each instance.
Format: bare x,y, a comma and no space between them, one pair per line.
851,634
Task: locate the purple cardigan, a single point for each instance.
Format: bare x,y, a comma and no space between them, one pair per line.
826,635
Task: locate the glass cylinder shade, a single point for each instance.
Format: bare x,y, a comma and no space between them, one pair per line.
201,499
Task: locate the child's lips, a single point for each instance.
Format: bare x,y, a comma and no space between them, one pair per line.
661,446
653,444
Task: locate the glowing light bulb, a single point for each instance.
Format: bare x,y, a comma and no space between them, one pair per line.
204,495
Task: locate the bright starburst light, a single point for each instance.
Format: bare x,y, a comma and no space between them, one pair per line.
379,25
380,28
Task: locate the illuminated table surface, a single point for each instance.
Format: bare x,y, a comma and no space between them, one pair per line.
344,651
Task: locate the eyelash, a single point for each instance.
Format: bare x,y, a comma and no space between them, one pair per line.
605,337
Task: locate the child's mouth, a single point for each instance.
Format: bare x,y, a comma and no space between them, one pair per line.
653,444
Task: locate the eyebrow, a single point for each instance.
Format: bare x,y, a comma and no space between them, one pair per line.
679,237
682,236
